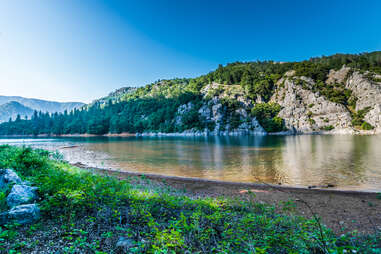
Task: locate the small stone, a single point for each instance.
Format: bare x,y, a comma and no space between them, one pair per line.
24,214
8,176
125,243
21,194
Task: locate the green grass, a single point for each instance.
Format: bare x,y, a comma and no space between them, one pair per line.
83,212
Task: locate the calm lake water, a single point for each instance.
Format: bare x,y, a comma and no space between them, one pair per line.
349,162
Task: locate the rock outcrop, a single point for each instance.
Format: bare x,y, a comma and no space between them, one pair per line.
125,243
305,111
374,117
222,119
306,106
23,214
7,177
20,199
21,194
367,92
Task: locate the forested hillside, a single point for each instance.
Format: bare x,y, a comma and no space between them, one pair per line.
335,94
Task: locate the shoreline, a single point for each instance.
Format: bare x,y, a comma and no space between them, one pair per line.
341,210
190,180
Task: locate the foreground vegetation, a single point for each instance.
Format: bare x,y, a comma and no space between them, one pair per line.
153,108
87,213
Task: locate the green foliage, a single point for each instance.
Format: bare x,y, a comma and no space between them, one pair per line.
92,211
366,126
328,128
266,114
3,200
311,121
335,92
358,119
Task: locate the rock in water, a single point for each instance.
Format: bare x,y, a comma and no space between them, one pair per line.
24,214
8,176
21,194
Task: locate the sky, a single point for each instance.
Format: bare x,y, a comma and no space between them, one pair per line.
82,50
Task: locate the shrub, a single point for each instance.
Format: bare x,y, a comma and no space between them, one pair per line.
328,128
358,117
311,121
366,126
266,114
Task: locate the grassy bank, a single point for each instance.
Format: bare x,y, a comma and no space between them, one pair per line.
87,213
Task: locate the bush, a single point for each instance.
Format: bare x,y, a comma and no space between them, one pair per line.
266,114
358,118
366,126
328,128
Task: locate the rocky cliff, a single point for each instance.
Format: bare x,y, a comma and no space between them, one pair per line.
303,109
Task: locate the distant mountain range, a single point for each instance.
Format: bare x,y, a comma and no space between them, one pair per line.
11,106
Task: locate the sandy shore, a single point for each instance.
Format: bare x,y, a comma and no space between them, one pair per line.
341,211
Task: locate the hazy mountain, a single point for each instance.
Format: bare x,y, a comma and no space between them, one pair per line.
42,105
10,106
12,109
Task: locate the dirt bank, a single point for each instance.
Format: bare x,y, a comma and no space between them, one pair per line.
341,211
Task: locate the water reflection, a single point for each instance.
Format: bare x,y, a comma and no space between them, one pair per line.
351,162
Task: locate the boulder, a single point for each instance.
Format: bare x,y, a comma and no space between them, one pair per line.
24,214
8,176
21,194
125,243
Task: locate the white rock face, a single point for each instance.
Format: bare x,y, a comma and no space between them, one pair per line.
214,112
374,118
368,93
337,77
183,109
306,112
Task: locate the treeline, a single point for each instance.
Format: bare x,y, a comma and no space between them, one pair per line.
134,116
153,108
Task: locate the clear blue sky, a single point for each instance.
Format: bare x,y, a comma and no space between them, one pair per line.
81,50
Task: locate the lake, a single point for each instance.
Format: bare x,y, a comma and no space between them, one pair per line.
348,162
